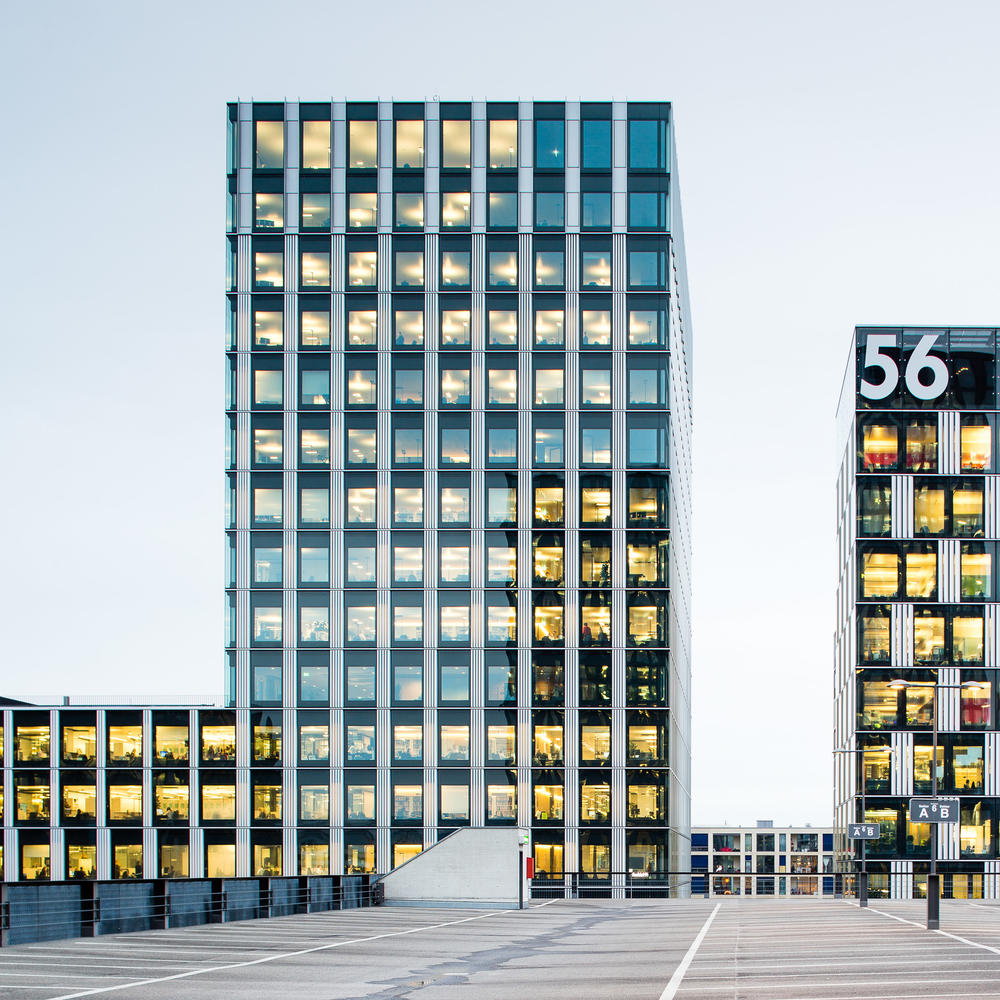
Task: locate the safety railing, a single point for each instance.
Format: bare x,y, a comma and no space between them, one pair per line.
665,884
46,911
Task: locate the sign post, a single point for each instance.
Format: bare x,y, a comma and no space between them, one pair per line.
863,832
935,811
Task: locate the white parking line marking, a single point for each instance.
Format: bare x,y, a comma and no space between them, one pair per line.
672,987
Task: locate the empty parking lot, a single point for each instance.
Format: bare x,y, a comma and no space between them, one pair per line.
758,950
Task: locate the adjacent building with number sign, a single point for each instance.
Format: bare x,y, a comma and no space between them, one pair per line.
918,521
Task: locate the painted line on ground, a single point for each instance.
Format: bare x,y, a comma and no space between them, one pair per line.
670,990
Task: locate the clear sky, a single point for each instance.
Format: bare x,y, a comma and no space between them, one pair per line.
838,166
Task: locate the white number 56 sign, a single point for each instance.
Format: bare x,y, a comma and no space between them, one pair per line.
921,360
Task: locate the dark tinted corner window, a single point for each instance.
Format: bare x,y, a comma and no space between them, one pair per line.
647,144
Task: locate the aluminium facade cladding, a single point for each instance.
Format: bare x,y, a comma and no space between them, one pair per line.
918,526
458,514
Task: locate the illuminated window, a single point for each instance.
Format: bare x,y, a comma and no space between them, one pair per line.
125,802
407,743
501,743
929,510
454,803
456,209
549,505
270,145
548,624
32,801
362,145
456,144
314,742
361,505
268,210
967,510
456,327
501,387
921,445
502,144
880,447
409,145
171,801
360,803
501,269
455,743
879,574
407,624
977,704
977,445
455,386
171,743
595,327
315,210
315,145
928,639
967,639
408,328
35,861
362,268
455,499
975,829
549,327
550,268
454,625
267,328
361,324
361,445
314,803
360,624
268,269
548,387
595,267
595,743
409,209
501,327
501,624
362,210
361,387
548,745
125,744
81,861
315,269
977,572
595,802
220,860
407,803
874,507
454,564
314,328
501,564
921,574
595,387
501,802
407,564
548,802
79,744
456,269
409,268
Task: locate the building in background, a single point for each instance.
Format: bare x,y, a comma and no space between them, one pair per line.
762,861
917,526
458,514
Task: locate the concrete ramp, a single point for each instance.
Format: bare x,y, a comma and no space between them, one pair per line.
470,867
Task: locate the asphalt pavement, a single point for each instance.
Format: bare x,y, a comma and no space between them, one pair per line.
769,949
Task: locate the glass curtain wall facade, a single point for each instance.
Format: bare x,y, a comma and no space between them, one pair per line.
457,530
458,473
916,604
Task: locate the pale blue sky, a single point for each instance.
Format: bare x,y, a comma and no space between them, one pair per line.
838,164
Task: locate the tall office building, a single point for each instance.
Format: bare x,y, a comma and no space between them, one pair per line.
458,517
916,640
459,465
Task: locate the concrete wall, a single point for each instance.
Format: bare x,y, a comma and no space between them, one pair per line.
472,867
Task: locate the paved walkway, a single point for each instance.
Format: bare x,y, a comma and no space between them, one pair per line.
739,948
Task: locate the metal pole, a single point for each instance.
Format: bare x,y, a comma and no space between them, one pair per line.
933,887
863,885
520,878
